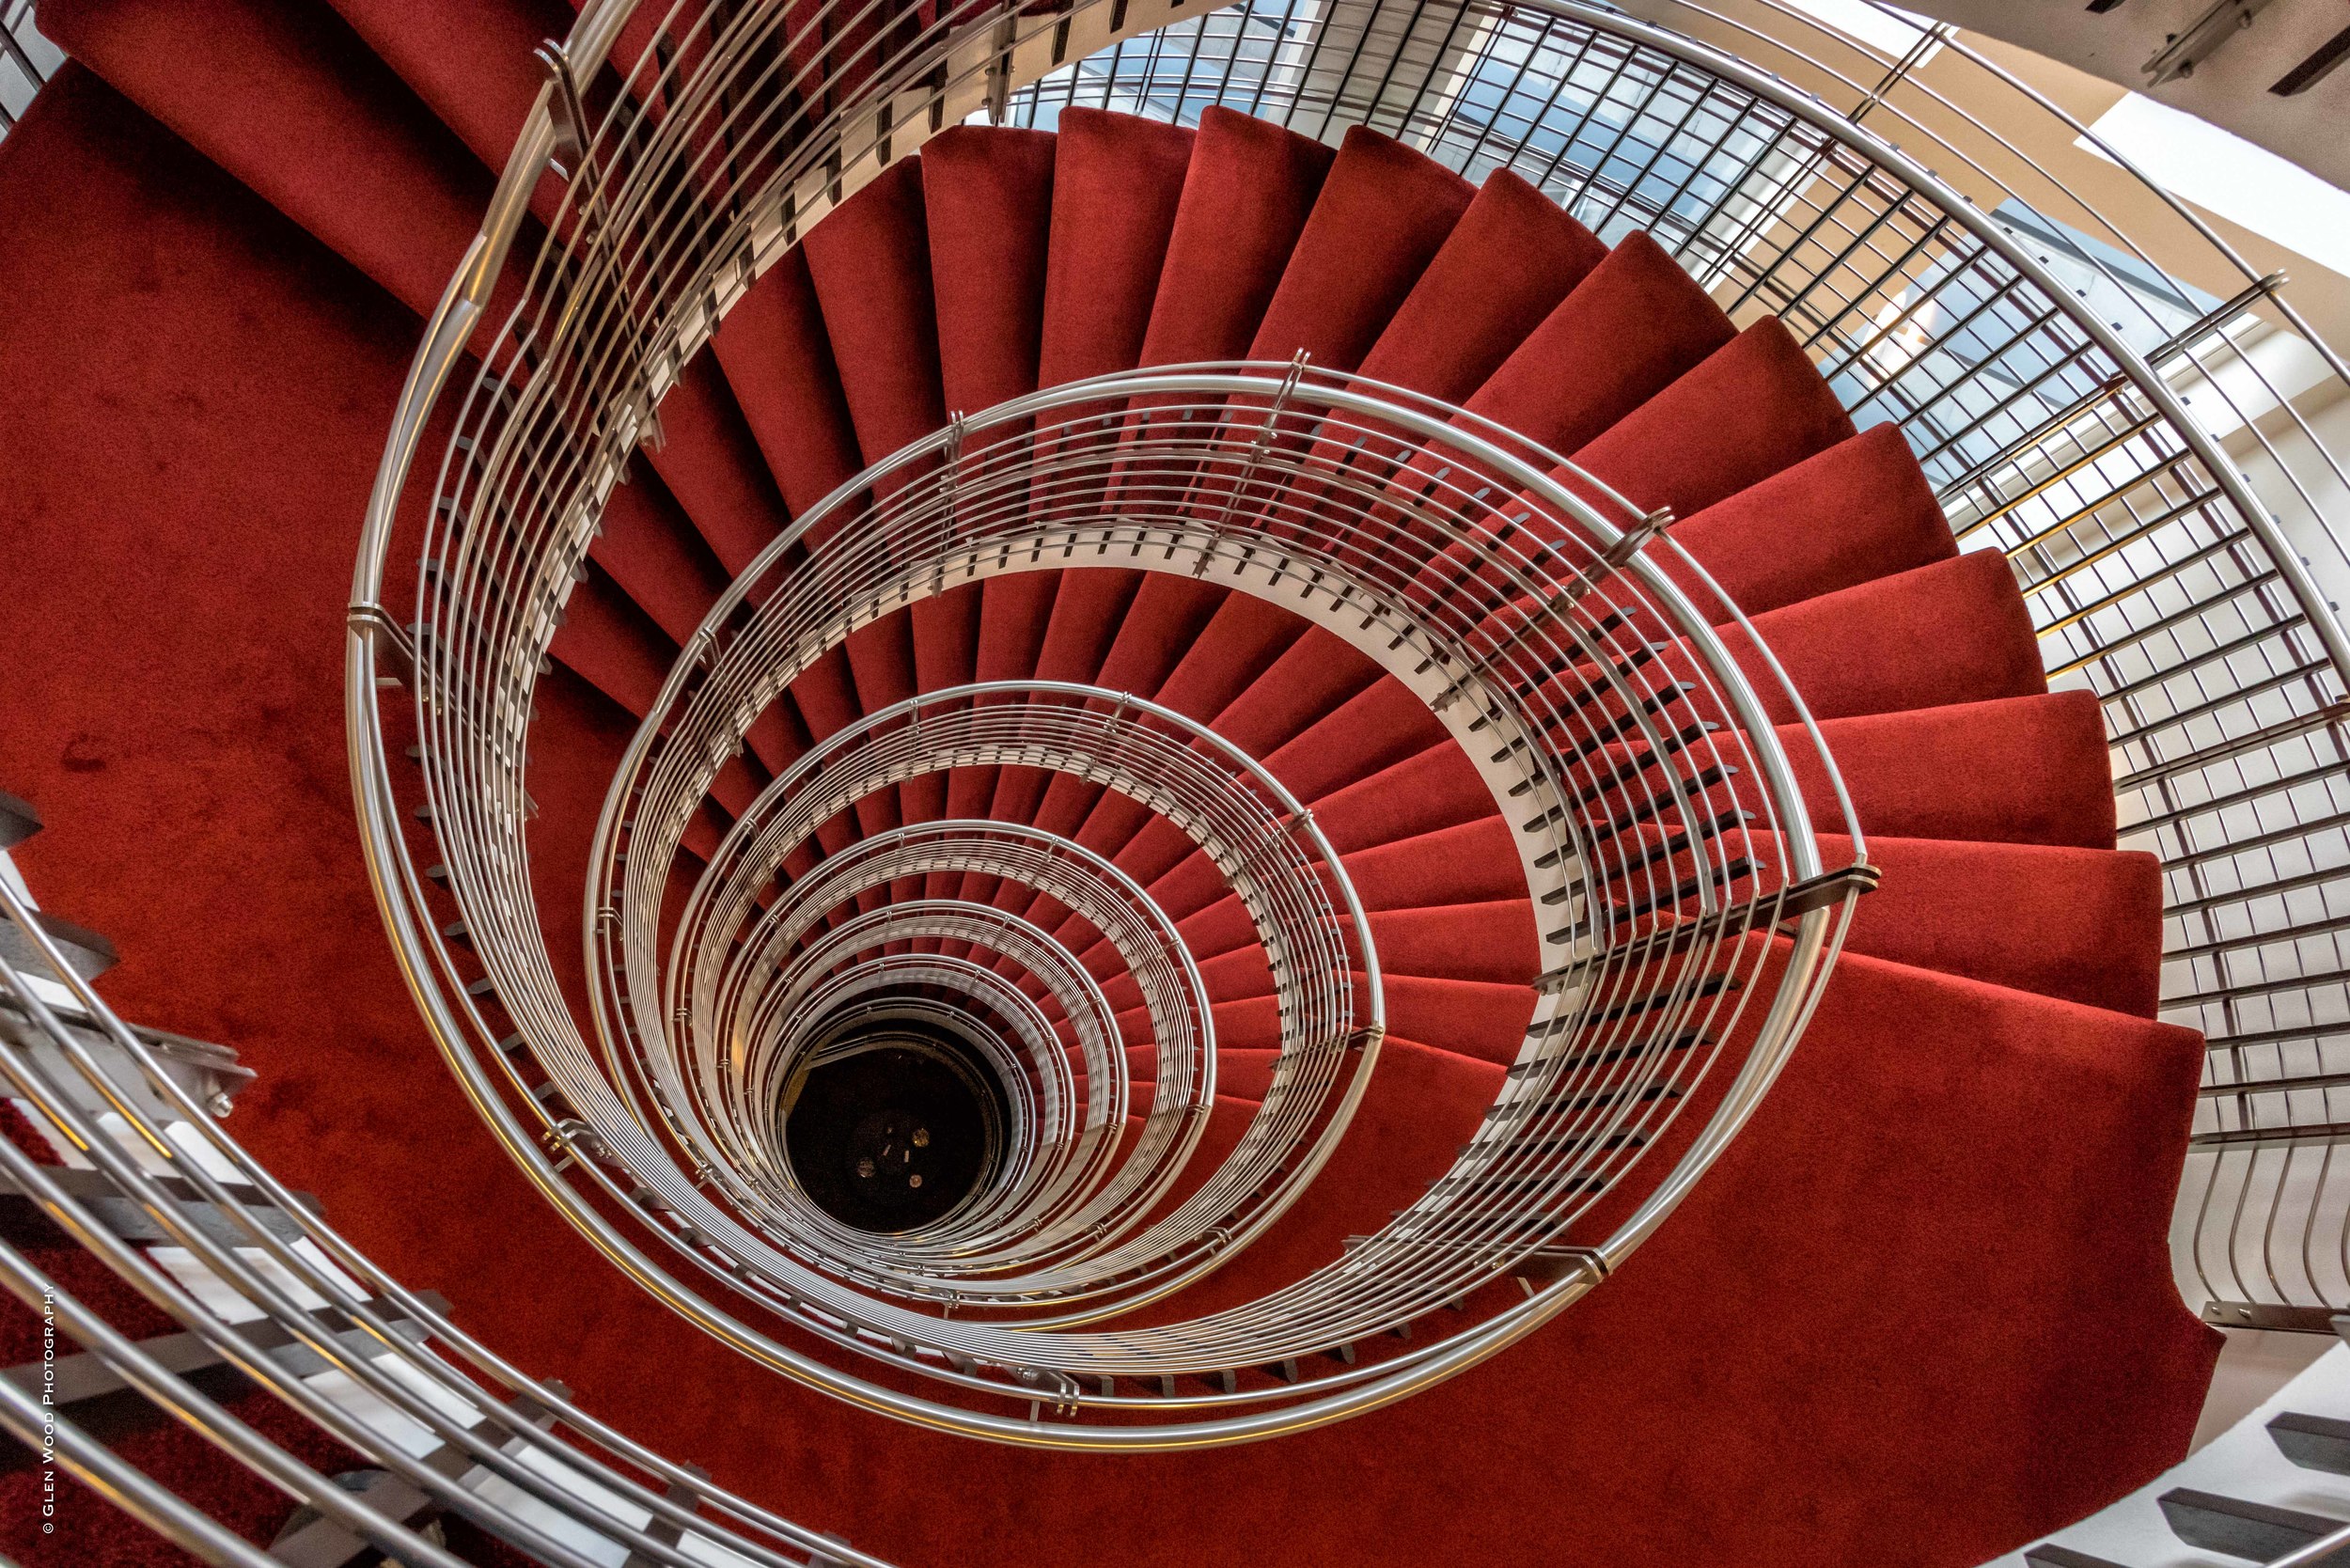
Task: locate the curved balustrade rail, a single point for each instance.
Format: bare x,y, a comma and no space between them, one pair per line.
512,1455
1236,811
2098,383
1075,1201
1542,621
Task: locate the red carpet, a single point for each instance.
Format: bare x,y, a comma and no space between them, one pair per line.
1870,1337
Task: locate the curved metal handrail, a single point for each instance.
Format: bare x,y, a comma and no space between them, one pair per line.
1239,813
1191,404
568,1466
2147,451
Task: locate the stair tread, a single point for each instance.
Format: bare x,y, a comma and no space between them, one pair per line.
870,260
1511,257
1383,212
1117,183
2030,769
779,369
1846,515
1246,193
1951,632
1621,337
2082,925
1765,408
469,59
988,208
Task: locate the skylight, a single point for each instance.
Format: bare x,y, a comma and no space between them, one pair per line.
2227,175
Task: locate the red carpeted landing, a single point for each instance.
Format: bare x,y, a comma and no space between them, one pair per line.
1922,1313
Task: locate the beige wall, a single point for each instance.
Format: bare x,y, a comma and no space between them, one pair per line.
2229,89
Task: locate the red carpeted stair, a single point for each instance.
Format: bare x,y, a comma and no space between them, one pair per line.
1922,1312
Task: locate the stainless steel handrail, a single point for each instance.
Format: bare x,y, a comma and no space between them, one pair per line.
1148,945
2101,386
1240,814
995,481
577,1468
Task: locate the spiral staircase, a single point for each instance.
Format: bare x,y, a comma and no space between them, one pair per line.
1462,681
